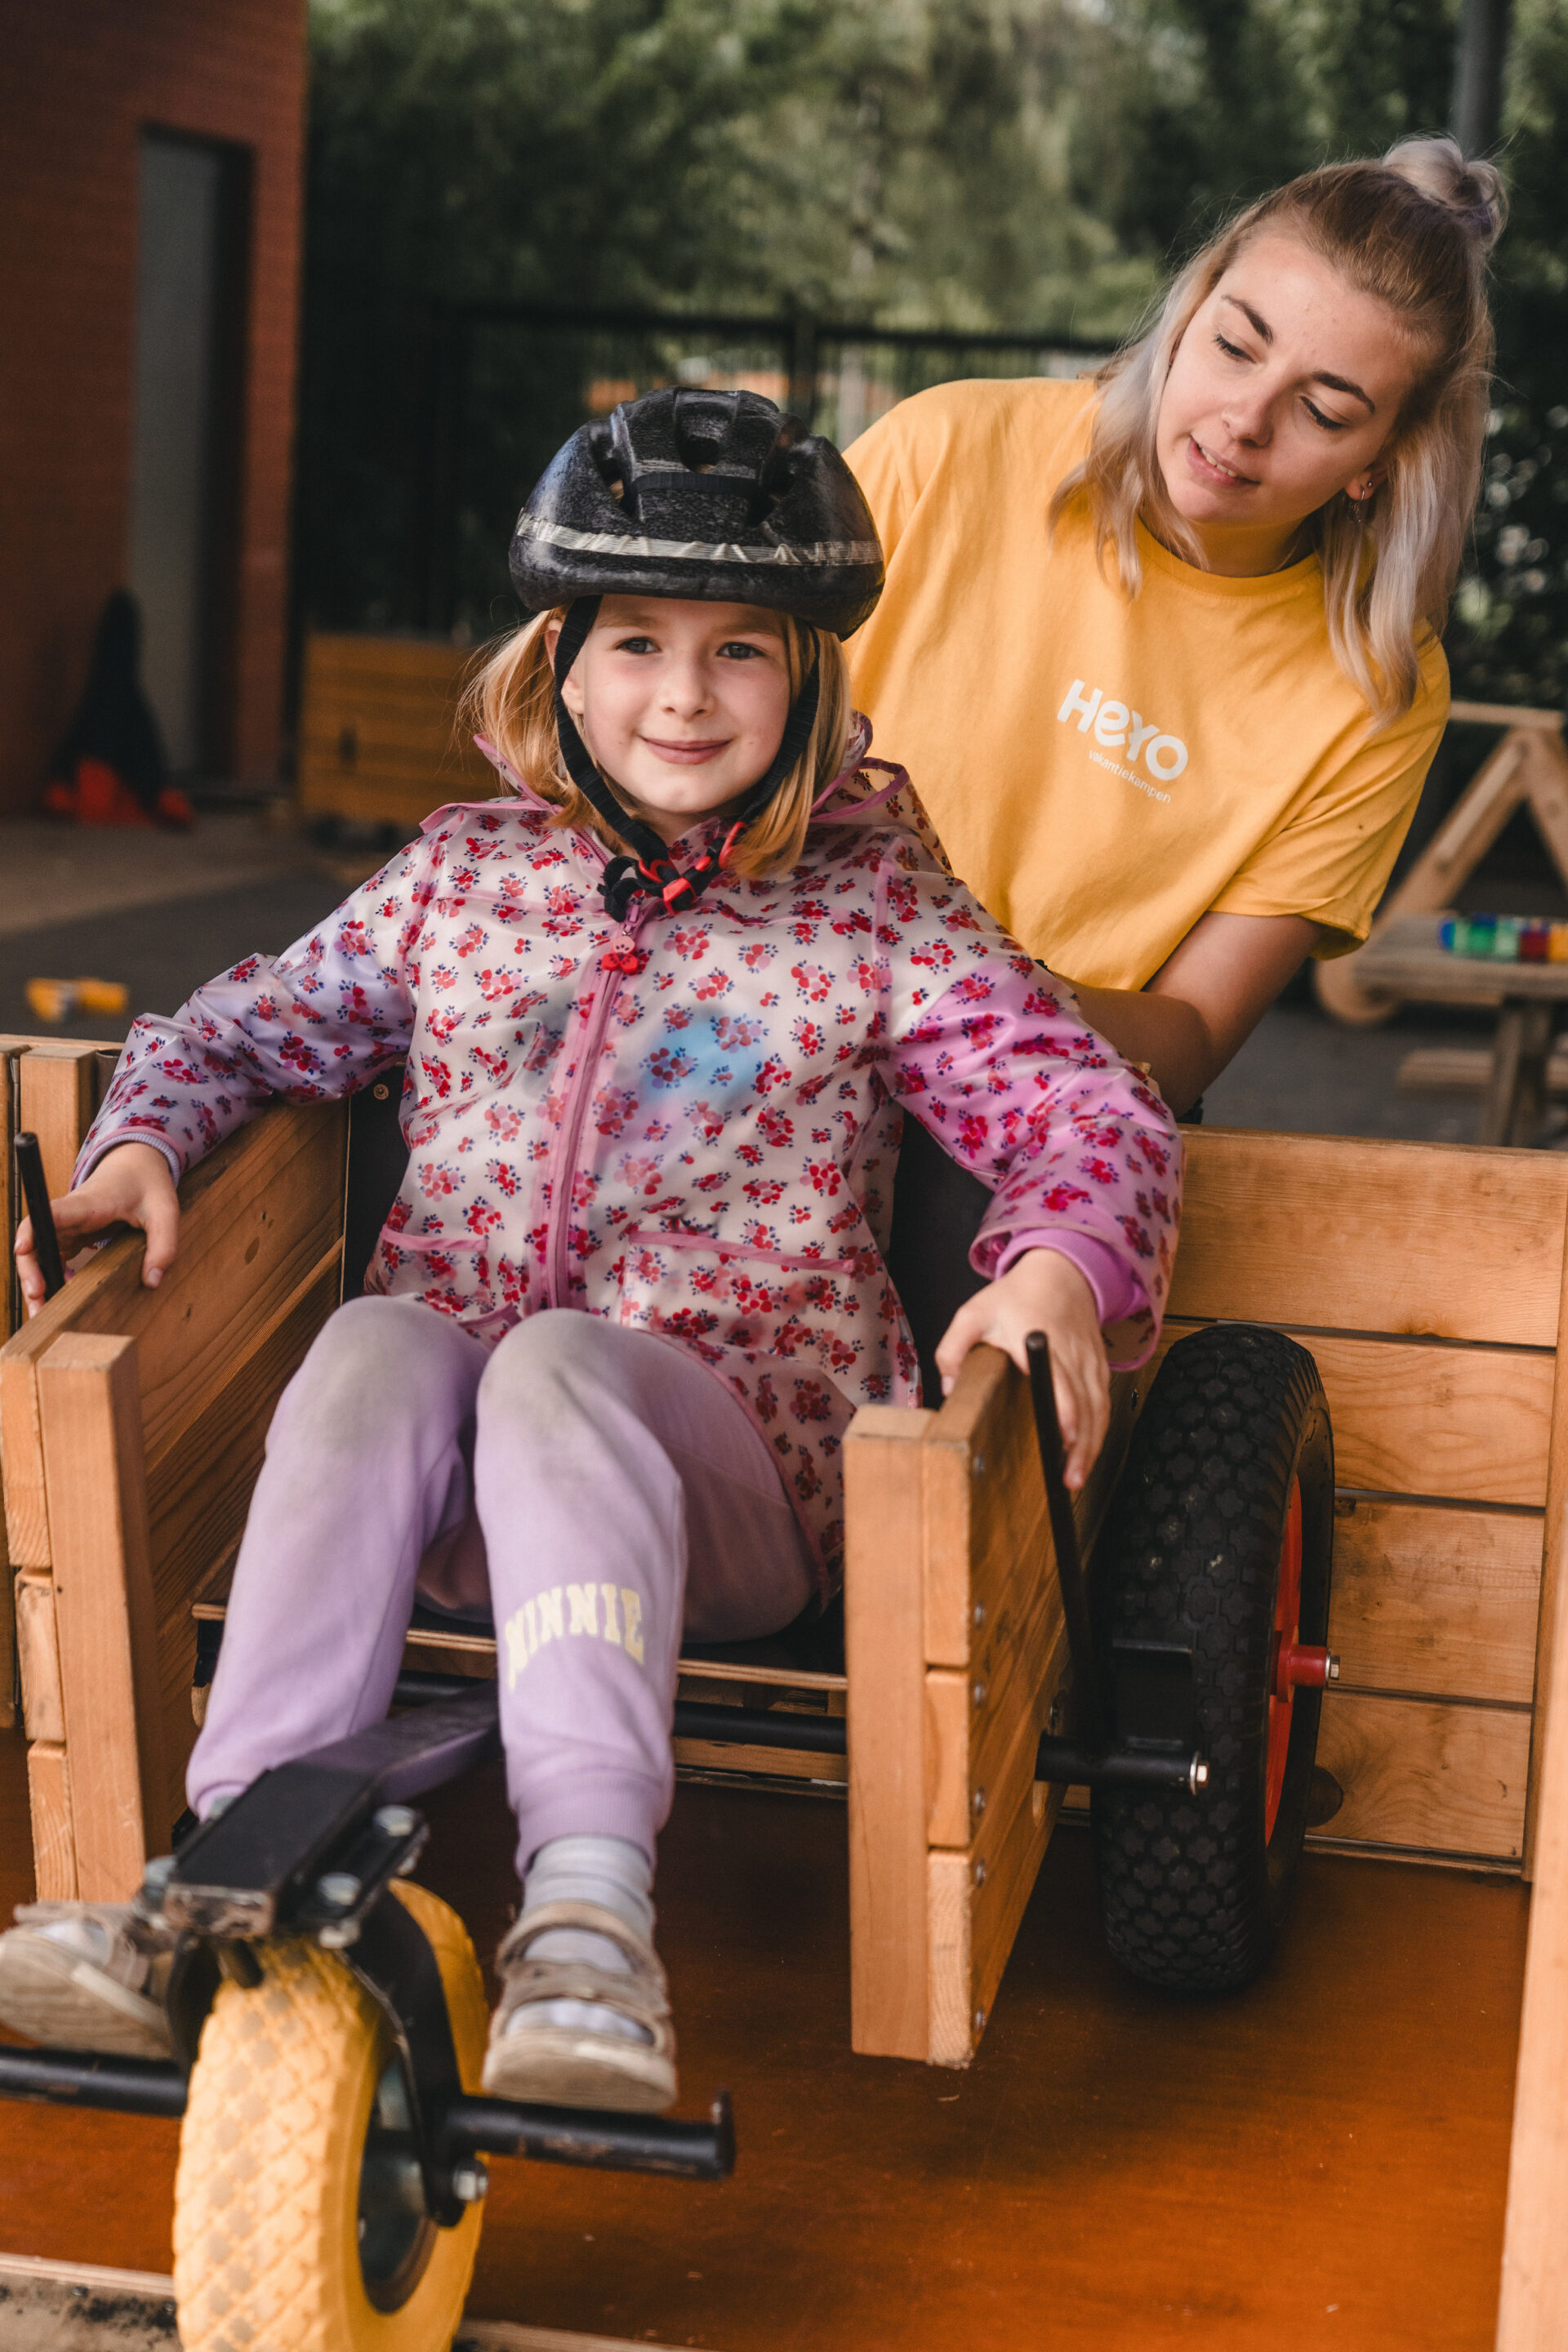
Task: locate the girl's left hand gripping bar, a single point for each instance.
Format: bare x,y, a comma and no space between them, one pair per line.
35,1193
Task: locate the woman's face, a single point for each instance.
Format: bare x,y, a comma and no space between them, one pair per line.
682,704
1283,392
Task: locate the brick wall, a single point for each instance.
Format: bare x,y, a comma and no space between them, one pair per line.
80,79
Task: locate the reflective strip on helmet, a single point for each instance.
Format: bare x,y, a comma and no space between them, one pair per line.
696,550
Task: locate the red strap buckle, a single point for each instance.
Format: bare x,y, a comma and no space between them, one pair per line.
628,959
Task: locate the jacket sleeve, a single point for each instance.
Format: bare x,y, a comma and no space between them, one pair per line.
310,1026
990,1052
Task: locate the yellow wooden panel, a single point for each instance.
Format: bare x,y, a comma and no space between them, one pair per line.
1433,1776
1357,1235
1429,1598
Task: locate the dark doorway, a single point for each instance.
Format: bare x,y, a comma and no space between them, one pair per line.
193,246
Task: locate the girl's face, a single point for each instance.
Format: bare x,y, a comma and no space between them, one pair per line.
1283,393
682,704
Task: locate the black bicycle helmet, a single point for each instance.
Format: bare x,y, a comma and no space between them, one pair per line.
718,495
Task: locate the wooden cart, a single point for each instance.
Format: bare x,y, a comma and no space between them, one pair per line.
1427,1281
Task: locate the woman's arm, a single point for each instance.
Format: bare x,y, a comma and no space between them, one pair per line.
1205,1002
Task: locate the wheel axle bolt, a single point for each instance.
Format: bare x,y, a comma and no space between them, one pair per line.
980,2021
980,1873
977,1691
977,1802
470,2182
398,1820
339,1889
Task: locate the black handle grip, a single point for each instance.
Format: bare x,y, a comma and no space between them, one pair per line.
1088,1695
35,1193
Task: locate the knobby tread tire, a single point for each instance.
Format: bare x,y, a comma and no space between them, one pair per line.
1193,1892
266,2195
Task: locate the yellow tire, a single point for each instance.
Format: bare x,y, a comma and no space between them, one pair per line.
298,2226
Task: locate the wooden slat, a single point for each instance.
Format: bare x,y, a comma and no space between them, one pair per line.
779,1763
49,1805
199,1480
1435,1601
10,1088
883,1629
91,1420
976,1901
257,1217
1438,1777
1553,1581
1476,1419
1533,2313
988,1558
1460,1243
59,1095
1506,714
10,1306
43,1709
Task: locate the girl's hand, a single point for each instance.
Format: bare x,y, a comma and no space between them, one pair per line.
1043,1292
131,1186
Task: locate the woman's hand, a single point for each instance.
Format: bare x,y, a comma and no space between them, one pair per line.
131,1185
1043,1292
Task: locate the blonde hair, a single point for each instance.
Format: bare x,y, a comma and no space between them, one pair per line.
1413,231
511,701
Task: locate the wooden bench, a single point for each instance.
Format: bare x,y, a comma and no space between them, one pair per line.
1427,1280
378,743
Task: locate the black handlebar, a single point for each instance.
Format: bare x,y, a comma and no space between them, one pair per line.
35,1193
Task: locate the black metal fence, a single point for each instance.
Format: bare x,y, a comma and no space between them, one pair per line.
422,431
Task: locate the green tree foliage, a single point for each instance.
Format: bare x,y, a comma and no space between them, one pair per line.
973,164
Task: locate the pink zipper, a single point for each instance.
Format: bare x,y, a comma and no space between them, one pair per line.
617,959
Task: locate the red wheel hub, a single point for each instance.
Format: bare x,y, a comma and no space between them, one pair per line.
1286,1639
1293,1664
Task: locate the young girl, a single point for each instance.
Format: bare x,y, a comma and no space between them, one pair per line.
660,1006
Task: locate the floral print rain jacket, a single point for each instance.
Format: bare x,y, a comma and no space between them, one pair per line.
688,1122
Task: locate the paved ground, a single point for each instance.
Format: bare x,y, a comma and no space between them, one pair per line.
164,912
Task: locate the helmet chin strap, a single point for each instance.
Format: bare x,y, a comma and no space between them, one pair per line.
650,871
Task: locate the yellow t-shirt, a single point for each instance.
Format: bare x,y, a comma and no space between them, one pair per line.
1104,770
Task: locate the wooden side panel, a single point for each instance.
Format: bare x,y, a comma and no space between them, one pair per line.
103,1608
1533,2313
1425,1238
1431,1600
43,1708
988,1820
1432,1778
1553,1579
1468,1424
54,1841
883,1624
258,1217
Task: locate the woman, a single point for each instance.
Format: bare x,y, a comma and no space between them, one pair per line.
1161,647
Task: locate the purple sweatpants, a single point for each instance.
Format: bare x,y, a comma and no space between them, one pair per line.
596,1489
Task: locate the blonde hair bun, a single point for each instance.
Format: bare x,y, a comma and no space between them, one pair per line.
1473,191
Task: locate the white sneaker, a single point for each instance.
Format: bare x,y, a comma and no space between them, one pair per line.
570,2032
88,1976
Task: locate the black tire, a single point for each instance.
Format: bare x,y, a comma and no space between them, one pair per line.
1192,1889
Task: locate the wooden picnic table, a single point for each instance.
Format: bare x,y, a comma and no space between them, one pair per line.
1404,958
